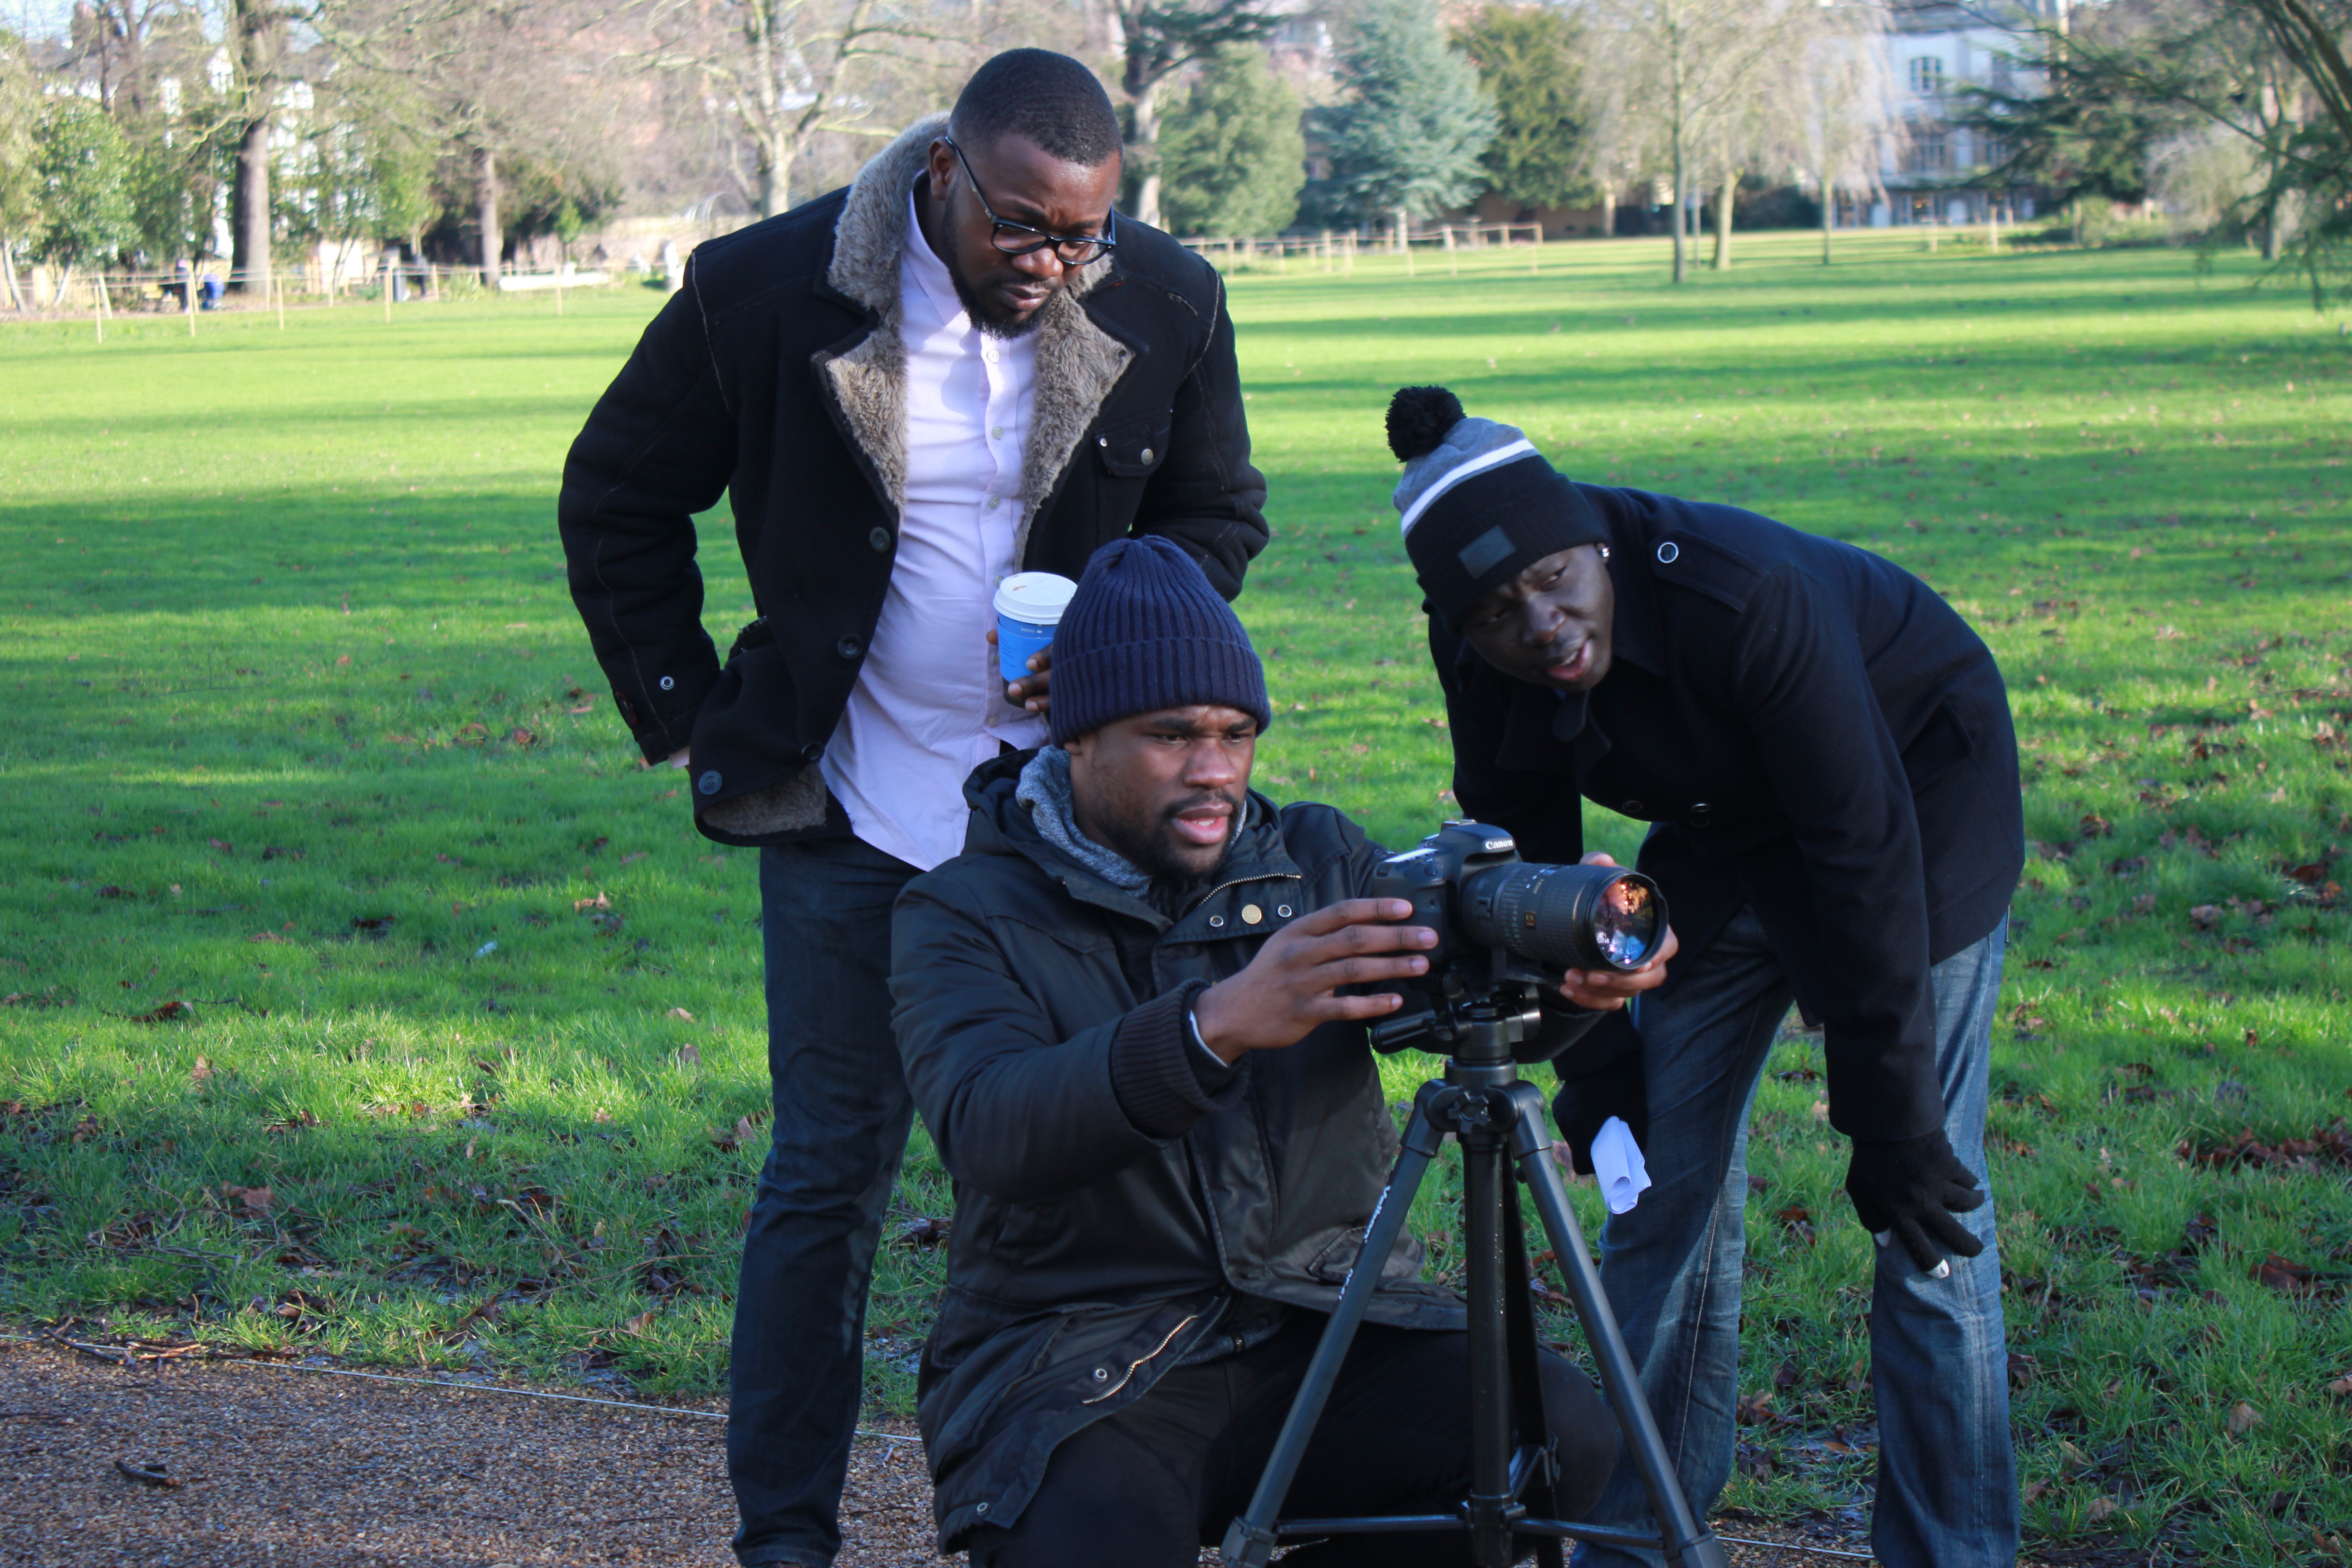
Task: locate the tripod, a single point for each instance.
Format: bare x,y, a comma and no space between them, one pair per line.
1482,1102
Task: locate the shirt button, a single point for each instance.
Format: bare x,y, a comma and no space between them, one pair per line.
992,502
880,540
996,432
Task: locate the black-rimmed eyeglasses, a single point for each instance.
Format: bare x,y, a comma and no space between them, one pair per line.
1021,240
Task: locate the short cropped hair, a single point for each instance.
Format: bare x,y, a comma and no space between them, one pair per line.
1051,99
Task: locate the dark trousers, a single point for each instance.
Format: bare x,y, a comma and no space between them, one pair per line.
1148,1486
842,1115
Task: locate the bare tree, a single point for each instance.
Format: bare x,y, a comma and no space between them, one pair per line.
783,73
1701,63
1848,115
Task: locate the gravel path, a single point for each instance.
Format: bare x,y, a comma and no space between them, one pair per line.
273,1469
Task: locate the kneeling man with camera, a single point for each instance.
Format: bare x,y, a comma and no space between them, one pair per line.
1133,1015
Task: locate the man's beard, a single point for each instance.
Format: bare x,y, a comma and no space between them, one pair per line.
1148,849
994,323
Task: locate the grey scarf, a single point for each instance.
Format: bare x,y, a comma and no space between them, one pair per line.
1045,791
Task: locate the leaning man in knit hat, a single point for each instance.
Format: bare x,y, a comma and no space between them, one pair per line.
1823,753
1121,1015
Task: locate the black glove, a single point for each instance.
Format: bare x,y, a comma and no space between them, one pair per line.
1913,1186
1615,1088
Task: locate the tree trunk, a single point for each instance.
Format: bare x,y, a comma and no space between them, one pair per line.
1143,155
1607,211
1829,218
9,277
248,262
255,28
1722,220
486,210
1682,256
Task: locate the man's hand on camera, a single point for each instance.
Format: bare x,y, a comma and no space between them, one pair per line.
1030,692
1606,990
1288,988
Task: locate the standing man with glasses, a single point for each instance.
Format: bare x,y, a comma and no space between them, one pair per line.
960,367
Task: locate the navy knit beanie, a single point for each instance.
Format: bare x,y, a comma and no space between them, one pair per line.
1145,631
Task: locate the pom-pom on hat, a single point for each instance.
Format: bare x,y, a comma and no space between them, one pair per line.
1145,631
1480,504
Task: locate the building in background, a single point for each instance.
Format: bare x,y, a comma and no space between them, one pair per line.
1937,171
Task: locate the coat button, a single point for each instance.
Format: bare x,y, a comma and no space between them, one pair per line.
1252,914
880,540
668,684
707,783
1632,808
1282,910
1668,553
1701,812
1216,921
1147,453
849,648
812,751
1102,440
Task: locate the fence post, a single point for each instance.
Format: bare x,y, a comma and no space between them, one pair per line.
1534,251
1992,226
188,298
98,306
276,294
1452,269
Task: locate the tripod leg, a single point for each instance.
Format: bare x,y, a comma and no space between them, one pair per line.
1541,1494
1250,1542
1687,1543
1486,1189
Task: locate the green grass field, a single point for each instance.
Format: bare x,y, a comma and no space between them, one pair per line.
364,997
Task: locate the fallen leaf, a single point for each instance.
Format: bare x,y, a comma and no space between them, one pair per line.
2101,1508
200,1074
632,859
642,1321
168,1010
252,1200
522,737
1754,1409
680,1013
599,902
2243,1419
688,1056
265,936
279,852
931,1230
2282,1275
2341,1388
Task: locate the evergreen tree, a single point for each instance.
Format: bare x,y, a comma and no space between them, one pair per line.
1527,57
1408,139
1232,153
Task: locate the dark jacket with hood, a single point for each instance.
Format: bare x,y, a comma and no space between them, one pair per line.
1810,729
776,376
1111,1199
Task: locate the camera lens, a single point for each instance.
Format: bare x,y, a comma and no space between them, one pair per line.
1566,917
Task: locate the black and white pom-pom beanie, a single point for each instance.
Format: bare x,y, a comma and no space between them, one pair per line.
1480,504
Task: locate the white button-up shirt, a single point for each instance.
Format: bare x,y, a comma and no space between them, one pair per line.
928,705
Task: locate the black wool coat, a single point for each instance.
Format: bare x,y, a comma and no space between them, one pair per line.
775,377
1810,729
1101,1232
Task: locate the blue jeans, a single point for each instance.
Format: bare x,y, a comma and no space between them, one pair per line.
1946,1492
842,1116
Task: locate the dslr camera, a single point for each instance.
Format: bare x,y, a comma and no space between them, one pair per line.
1506,928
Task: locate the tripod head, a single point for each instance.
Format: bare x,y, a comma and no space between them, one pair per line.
1478,1026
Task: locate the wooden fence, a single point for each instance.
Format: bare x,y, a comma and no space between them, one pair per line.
1336,251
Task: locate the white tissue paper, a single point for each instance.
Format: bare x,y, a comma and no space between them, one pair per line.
1618,1166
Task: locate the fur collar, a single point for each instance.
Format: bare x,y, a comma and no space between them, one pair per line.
1078,362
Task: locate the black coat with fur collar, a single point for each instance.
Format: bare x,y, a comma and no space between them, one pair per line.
775,377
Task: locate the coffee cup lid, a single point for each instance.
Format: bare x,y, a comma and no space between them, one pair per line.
1037,597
